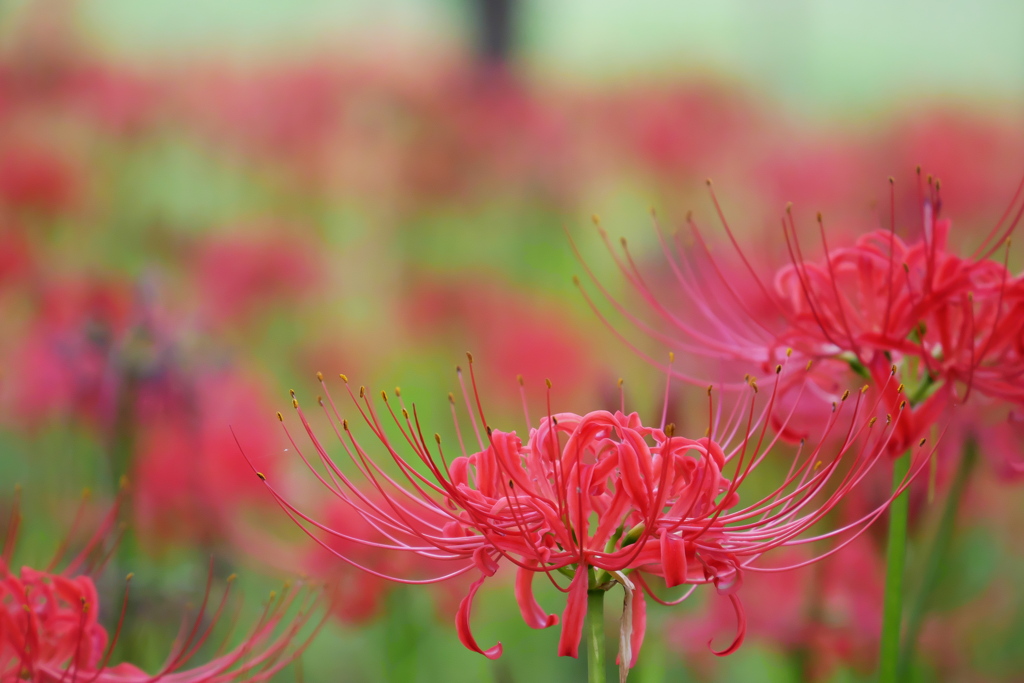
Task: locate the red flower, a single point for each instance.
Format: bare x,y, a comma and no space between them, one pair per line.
185,470
32,177
882,305
240,274
598,497
50,633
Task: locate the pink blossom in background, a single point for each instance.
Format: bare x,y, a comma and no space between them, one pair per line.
62,367
187,486
519,334
829,614
34,178
239,274
675,132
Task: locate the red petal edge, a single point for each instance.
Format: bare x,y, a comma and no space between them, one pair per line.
575,612
462,623
533,615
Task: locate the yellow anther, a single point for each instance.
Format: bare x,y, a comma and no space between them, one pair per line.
262,476
319,376
280,417
344,378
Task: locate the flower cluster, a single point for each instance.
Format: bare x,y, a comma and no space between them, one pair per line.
50,626
946,324
598,498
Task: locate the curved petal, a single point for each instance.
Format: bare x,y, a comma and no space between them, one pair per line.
462,623
639,624
533,615
575,613
673,559
741,629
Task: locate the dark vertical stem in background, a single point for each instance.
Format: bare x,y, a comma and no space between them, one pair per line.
495,30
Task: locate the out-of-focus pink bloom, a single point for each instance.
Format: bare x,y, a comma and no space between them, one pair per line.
971,155
185,478
830,614
675,132
63,365
50,632
35,178
15,257
481,133
666,509
241,274
287,114
883,305
120,100
521,335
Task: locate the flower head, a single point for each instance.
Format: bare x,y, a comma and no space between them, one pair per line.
944,324
50,629
600,499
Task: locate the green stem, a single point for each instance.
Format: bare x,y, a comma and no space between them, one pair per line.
937,554
896,553
595,637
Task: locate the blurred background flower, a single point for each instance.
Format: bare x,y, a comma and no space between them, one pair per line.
203,204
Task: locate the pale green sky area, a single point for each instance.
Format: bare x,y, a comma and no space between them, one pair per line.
834,57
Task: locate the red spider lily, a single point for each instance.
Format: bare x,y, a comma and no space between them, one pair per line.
240,274
184,471
666,509
941,320
50,630
35,178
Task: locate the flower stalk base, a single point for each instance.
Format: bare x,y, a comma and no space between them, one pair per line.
896,552
595,637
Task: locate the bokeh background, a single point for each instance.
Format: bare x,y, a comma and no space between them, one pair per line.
202,204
